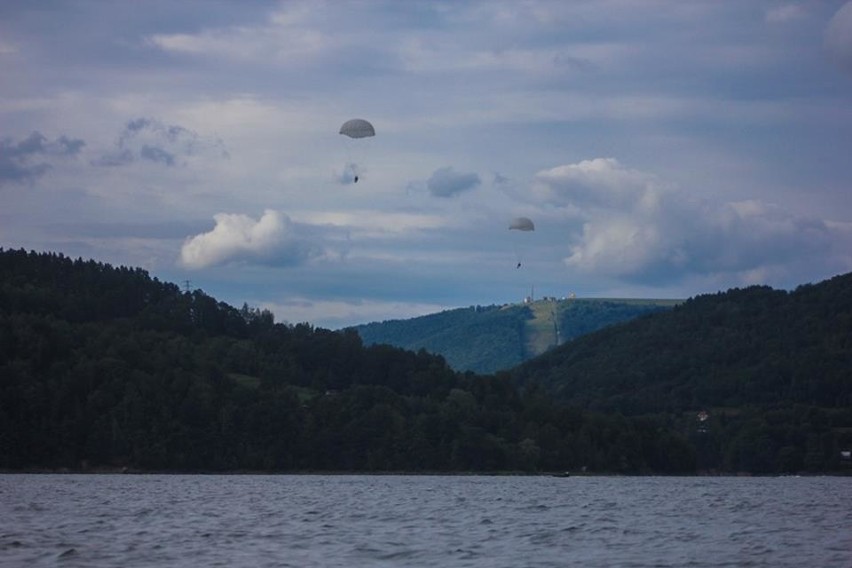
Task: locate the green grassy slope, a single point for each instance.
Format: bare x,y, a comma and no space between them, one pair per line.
493,338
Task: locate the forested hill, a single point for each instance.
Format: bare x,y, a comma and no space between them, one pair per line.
744,346
103,367
486,339
770,371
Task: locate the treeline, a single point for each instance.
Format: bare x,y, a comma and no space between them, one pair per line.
104,367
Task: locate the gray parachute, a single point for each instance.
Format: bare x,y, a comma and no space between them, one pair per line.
357,128
521,224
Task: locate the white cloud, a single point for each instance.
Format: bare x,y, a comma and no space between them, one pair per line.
600,182
272,239
288,37
245,44
635,229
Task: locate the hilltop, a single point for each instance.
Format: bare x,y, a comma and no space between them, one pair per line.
487,339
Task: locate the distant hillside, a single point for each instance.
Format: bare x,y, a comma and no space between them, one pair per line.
493,338
760,376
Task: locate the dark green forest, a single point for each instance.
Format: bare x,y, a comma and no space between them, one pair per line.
106,368
771,369
487,339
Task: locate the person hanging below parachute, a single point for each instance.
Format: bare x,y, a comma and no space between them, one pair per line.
521,224
356,129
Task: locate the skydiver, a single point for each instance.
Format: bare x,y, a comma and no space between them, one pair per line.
519,265
356,179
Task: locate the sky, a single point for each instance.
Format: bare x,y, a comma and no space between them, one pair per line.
662,149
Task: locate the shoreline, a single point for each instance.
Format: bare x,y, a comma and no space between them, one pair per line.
554,474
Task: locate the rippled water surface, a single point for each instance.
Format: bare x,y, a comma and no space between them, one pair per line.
314,520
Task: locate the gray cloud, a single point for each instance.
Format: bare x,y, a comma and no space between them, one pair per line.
446,182
30,158
120,158
150,140
500,179
155,154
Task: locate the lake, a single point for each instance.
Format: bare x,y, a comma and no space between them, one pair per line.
478,521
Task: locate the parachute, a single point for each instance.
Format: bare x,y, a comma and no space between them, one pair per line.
356,129
521,224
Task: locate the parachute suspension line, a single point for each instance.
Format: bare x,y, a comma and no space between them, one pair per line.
517,250
350,166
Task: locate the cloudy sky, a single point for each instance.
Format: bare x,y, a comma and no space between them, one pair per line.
662,148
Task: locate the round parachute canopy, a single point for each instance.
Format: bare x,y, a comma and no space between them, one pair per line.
357,128
521,224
